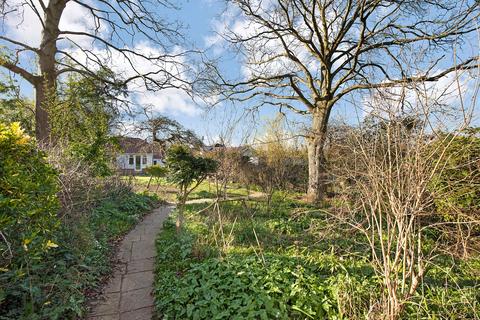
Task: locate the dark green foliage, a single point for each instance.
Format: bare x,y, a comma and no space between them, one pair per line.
83,116
156,171
278,281
185,169
246,287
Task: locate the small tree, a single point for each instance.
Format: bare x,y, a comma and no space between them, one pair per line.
155,172
187,171
83,116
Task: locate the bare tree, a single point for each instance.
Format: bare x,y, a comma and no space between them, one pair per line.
306,55
114,27
167,132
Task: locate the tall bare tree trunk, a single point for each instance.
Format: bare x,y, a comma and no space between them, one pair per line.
45,89
42,121
317,175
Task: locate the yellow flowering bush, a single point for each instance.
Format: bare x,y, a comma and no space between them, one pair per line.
28,211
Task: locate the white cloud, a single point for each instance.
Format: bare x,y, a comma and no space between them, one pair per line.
170,100
167,101
22,23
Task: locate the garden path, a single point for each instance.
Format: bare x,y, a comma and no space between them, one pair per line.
128,295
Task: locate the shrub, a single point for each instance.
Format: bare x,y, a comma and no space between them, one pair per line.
28,213
53,251
456,186
187,172
156,171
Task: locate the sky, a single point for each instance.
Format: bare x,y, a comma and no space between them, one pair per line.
202,20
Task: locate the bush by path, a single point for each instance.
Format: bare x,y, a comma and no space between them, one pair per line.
48,262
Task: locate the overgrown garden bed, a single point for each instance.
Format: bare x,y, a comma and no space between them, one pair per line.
289,261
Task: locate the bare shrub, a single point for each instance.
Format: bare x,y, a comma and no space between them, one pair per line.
387,170
230,161
80,190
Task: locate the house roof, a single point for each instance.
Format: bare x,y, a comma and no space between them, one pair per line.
137,145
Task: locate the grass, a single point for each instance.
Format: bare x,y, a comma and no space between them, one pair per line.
167,191
207,190
287,262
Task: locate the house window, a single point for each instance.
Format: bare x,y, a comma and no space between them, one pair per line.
154,162
144,160
131,160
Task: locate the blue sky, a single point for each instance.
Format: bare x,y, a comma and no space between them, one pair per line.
200,17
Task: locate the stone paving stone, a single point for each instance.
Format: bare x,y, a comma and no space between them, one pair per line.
125,245
108,306
147,236
134,235
140,314
139,280
124,256
108,317
141,265
115,284
136,299
143,250
128,296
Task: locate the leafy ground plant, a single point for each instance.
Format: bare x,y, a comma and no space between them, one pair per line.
195,281
287,262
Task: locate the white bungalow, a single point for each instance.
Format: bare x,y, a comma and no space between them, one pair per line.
138,154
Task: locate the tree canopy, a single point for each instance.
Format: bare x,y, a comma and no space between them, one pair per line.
306,55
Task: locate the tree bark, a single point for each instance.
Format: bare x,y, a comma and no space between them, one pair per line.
180,217
180,209
42,120
317,173
45,89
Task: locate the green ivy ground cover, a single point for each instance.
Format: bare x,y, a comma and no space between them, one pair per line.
285,262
